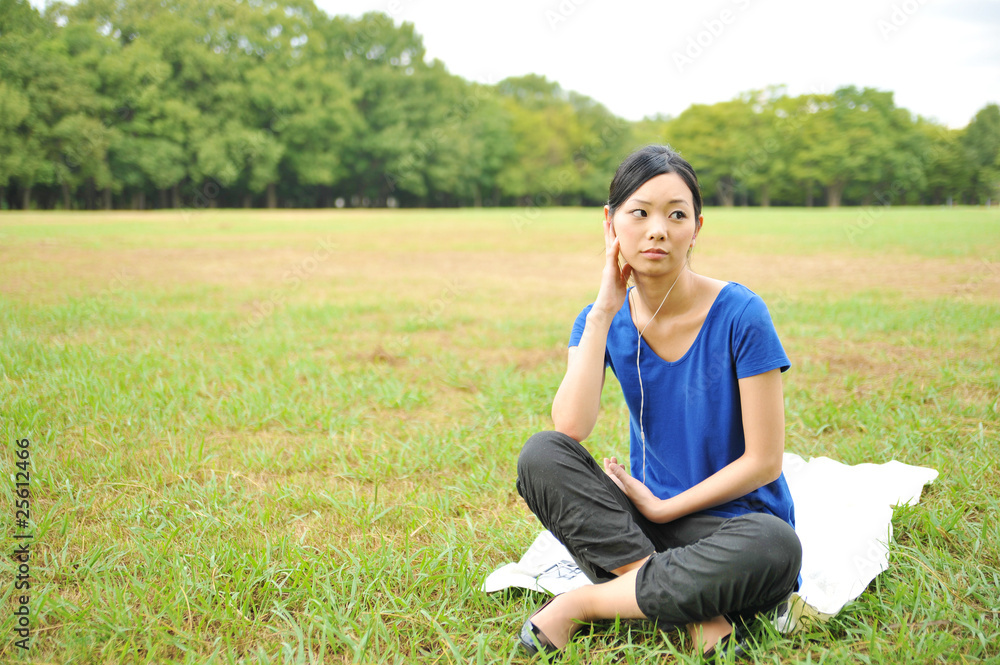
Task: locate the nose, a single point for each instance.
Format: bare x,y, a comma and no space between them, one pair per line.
657,228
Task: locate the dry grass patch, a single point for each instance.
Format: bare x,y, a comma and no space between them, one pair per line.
843,275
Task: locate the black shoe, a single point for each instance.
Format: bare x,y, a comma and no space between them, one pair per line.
533,640
734,643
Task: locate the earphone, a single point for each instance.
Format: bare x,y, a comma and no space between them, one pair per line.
638,348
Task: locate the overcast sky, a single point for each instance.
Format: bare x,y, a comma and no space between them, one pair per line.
941,58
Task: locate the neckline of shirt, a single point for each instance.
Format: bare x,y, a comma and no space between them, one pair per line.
627,311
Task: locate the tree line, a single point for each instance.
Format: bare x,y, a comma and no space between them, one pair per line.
183,103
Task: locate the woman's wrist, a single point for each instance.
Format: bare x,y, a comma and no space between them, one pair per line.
599,317
664,512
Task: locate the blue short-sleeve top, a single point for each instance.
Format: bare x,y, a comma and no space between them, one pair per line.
690,407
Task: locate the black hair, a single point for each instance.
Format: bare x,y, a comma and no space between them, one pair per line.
649,162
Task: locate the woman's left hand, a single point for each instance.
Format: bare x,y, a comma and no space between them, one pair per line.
652,507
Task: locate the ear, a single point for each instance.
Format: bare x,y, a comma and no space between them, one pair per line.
608,217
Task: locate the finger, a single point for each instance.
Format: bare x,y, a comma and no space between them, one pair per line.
609,234
614,249
620,472
609,468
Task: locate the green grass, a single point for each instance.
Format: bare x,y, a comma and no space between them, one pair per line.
291,436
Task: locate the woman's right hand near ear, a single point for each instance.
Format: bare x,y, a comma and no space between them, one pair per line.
614,280
578,400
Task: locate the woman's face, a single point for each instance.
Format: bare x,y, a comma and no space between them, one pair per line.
656,225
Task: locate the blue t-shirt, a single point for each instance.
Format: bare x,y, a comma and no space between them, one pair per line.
691,414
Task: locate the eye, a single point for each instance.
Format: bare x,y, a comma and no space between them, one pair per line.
642,213
680,214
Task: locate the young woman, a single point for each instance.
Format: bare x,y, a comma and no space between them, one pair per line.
701,533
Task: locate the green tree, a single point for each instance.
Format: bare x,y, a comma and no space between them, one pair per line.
438,167
309,110
391,84
947,171
809,125
864,142
24,38
762,158
20,25
547,137
899,154
714,140
14,110
492,144
981,140
64,143
605,140
153,48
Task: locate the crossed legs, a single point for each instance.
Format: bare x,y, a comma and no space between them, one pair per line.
697,572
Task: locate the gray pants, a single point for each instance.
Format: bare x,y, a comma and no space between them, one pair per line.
702,566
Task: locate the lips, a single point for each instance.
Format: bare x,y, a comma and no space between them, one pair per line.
655,251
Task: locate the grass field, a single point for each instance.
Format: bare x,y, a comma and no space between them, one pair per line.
290,436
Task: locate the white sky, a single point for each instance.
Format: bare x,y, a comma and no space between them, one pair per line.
941,58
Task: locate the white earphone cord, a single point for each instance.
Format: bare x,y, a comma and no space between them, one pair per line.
642,394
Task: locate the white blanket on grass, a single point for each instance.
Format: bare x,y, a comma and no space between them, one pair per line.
843,516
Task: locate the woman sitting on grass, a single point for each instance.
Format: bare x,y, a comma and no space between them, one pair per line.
701,533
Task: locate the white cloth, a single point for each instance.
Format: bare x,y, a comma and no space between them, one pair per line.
843,517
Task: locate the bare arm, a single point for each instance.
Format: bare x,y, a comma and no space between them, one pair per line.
578,400
763,412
